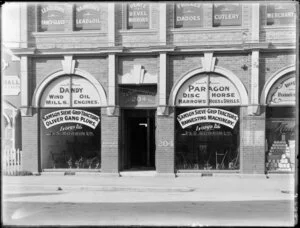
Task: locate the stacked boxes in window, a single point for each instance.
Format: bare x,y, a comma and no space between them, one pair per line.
279,157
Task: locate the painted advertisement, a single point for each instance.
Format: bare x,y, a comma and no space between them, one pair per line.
227,15
71,116
137,16
88,16
203,90
283,92
133,96
11,85
71,91
207,115
281,14
52,17
188,15
83,93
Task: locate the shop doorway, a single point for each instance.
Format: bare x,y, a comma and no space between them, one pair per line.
138,140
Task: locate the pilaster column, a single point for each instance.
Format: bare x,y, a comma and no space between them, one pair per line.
163,23
69,21
162,85
253,108
23,25
25,103
111,24
255,25
112,108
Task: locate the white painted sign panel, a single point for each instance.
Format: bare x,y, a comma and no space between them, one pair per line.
11,85
207,115
71,116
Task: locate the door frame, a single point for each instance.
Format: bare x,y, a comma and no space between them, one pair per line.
125,160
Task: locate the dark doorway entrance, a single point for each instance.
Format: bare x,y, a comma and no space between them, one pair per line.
138,139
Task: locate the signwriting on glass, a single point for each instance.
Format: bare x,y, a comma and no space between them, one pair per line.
281,126
207,115
280,14
227,14
71,116
52,18
188,15
70,91
137,16
88,16
283,92
204,90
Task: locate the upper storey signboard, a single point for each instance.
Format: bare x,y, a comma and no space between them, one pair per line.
88,16
281,14
188,15
227,15
52,17
138,16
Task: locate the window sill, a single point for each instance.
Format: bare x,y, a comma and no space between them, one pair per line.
73,33
210,29
138,31
278,27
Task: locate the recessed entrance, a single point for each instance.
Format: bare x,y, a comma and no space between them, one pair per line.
138,140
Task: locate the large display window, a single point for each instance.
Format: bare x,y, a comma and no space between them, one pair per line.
280,125
70,138
70,124
207,138
280,139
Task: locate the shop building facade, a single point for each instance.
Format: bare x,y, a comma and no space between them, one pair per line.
169,87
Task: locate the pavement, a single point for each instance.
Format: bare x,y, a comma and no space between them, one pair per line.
61,188
187,200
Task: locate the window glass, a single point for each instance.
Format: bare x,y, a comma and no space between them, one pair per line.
87,16
281,14
70,138
51,17
188,15
207,138
138,16
70,91
280,139
227,15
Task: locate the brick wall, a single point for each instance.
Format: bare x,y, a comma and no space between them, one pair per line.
97,67
30,148
42,67
270,63
110,134
179,65
165,149
252,142
234,63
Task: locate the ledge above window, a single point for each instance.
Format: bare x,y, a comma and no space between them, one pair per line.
71,34
139,31
209,29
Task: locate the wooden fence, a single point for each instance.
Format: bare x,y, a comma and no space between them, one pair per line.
12,161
